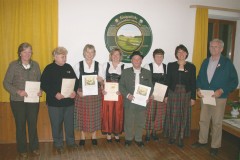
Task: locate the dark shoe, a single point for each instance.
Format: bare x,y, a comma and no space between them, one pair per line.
60,150
214,151
82,142
147,139
36,152
117,140
73,146
198,145
155,137
180,143
171,141
23,156
127,143
94,142
140,144
109,140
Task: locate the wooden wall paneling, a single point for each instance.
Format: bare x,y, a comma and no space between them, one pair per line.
8,132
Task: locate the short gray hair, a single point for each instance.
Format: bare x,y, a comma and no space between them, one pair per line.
218,41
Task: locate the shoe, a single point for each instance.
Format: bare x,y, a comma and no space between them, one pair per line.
23,156
127,143
82,142
147,139
155,137
117,139
60,150
109,140
214,151
171,141
180,143
198,145
73,146
36,152
140,144
94,142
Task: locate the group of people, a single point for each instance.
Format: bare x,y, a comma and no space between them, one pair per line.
92,113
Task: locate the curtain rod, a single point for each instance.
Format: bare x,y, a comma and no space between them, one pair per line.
215,8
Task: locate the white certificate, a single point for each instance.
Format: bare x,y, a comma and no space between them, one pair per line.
32,89
159,92
67,87
111,88
207,97
89,85
141,94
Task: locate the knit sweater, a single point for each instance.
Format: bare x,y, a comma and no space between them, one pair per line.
51,83
17,75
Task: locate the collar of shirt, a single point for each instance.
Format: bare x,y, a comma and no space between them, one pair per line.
157,68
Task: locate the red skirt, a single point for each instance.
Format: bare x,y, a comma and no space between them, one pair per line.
112,116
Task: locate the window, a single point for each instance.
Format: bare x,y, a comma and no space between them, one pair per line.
224,30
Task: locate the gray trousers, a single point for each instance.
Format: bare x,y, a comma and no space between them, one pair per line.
25,113
134,121
58,117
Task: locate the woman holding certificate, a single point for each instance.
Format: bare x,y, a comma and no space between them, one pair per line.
19,72
112,110
156,110
181,80
58,81
88,101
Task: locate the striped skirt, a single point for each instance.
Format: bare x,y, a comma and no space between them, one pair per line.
155,115
112,116
178,115
87,114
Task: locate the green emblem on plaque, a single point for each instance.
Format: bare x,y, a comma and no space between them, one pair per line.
129,32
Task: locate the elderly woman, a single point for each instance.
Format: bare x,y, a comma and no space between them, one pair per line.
88,108
181,81
19,71
112,111
155,113
60,108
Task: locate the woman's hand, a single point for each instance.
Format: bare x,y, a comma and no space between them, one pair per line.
104,92
118,93
192,102
22,93
80,93
59,96
40,93
166,99
73,94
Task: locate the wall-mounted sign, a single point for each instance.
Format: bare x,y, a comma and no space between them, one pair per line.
129,32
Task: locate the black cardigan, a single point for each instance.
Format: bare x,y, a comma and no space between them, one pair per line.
188,78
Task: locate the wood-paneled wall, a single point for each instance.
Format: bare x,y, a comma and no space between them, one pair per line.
8,132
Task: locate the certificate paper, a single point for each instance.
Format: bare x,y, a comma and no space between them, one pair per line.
67,87
89,85
32,89
141,94
111,88
207,97
159,92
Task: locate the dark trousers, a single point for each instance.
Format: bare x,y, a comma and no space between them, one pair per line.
25,113
58,116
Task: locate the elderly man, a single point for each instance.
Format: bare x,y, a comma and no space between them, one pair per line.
134,114
217,73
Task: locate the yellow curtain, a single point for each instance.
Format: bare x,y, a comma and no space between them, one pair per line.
33,21
200,38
